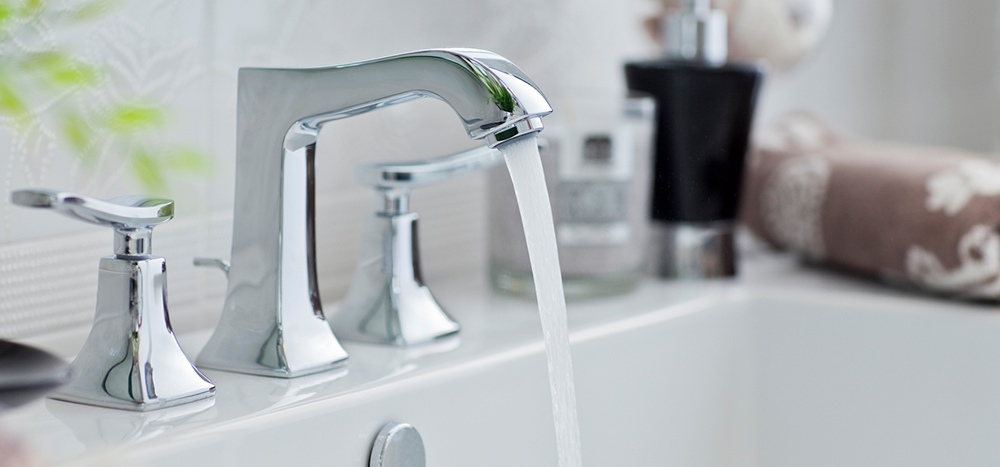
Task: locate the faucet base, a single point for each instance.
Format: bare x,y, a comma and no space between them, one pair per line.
299,350
131,359
257,370
82,395
388,302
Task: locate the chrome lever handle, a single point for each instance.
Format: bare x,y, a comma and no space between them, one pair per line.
394,180
132,217
129,212
388,175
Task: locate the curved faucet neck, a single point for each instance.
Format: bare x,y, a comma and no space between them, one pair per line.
272,281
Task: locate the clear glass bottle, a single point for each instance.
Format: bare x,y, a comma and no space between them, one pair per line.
596,158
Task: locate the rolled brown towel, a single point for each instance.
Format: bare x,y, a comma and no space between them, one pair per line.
919,215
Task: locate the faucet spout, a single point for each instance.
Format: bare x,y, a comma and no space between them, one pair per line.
272,322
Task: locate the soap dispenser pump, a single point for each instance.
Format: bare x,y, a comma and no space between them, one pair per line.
704,113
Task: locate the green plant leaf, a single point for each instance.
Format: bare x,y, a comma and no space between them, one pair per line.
146,169
11,103
92,10
188,160
32,7
5,13
78,134
58,70
127,118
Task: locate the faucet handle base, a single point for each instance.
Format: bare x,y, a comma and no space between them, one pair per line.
132,360
388,302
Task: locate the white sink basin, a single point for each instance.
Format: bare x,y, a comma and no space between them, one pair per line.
768,380
785,367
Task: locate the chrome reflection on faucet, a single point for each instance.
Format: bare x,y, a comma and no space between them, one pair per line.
131,359
273,323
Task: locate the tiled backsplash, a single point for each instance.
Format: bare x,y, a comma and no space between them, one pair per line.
185,55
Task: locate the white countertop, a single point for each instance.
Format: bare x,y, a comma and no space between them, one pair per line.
496,329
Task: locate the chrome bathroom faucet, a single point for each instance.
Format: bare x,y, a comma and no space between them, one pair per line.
272,322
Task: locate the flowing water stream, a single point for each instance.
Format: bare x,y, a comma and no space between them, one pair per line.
536,214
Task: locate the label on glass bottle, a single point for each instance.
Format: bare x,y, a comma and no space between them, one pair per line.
592,196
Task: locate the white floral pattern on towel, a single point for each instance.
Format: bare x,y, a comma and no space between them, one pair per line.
792,204
951,190
978,270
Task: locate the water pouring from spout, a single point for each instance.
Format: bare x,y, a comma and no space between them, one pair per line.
525,169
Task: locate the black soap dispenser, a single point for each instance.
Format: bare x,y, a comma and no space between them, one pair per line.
704,113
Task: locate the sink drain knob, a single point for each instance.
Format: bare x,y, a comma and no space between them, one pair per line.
398,445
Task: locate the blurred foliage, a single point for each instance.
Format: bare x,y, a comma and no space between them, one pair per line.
44,86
